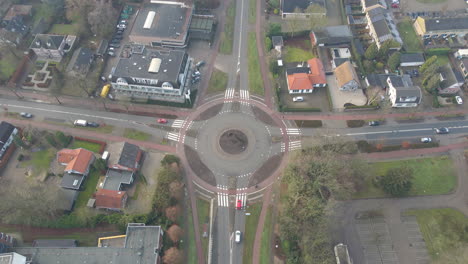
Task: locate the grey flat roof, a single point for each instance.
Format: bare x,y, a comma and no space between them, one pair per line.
294,70
339,31
277,40
5,131
137,66
68,179
54,243
115,178
141,247
410,91
449,24
169,20
381,28
411,57
69,198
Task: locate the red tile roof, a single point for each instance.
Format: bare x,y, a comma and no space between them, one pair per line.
317,72
110,199
77,160
299,81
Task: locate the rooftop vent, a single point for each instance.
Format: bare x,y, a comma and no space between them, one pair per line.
75,182
149,19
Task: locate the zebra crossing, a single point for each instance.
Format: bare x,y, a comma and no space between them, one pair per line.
244,94
293,131
229,94
243,198
294,145
173,136
178,123
283,147
223,198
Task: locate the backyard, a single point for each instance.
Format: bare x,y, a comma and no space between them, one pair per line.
411,41
9,60
255,80
94,147
89,188
250,229
295,54
444,231
40,160
431,176
218,81
225,47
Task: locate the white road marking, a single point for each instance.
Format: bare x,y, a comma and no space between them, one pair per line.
223,198
244,94
229,94
178,123
283,148
293,131
294,145
173,136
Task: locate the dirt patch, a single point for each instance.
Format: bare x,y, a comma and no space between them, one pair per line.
262,116
233,141
210,112
266,169
298,42
198,166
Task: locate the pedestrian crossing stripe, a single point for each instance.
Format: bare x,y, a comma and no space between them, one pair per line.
229,94
173,136
178,123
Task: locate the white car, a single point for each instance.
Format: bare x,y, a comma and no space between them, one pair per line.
459,99
298,99
121,26
238,236
426,140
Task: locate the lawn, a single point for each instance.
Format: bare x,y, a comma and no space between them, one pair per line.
250,229
293,54
190,246
443,229
135,134
63,29
308,123
203,208
265,247
41,11
432,176
255,80
40,160
9,62
94,147
442,60
411,41
227,34
252,11
89,188
431,1
218,81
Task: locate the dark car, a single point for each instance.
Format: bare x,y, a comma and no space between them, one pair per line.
442,130
200,64
114,45
374,123
118,37
415,73
92,124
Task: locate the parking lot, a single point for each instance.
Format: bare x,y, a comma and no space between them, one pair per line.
416,240
446,8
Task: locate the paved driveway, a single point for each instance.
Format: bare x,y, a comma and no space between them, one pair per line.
340,98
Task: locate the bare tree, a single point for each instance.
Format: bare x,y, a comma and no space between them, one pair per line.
175,233
173,256
101,19
317,19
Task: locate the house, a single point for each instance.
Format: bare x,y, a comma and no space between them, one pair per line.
7,133
14,32
304,79
378,27
295,9
117,179
63,243
451,80
368,5
377,80
142,245
151,74
333,36
17,10
277,42
402,92
52,47
346,77
411,59
68,197
110,199
463,63
77,162
80,62
162,23
124,156
12,258
435,27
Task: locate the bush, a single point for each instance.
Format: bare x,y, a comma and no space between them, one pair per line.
20,157
438,51
274,29
267,44
397,181
169,159
63,140
355,123
51,140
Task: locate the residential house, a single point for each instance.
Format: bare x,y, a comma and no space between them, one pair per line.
111,199
124,156
77,162
377,80
304,79
402,92
117,179
151,74
451,80
142,245
277,42
17,10
368,5
346,77
12,258
52,47
411,59
333,36
162,23
461,53
14,32
80,62
295,9
463,63
7,133
378,27
443,27
63,243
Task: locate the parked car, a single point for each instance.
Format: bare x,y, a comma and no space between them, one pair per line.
114,45
162,121
442,130
426,140
196,73
112,48
103,79
298,99
93,124
111,53
26,115
374,123
115,41
121,26
238,236
80,122
118,37
415,73
123,22
200,64
459,100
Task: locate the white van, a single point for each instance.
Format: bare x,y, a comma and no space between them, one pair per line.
238,236
80,122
